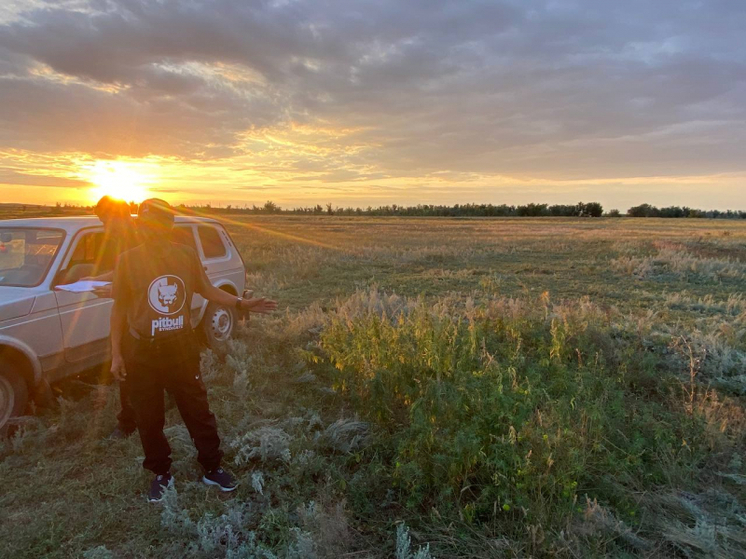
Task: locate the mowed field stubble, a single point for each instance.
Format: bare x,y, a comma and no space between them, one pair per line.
434,388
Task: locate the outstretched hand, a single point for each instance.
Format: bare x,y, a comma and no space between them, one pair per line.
103,291
260,306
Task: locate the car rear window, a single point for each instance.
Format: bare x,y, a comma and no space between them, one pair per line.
212,244
184,236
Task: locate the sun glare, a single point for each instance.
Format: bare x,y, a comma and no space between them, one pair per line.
119,179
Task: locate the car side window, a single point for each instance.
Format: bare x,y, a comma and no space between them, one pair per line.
212,244
87,259
184,236
89,250
90,257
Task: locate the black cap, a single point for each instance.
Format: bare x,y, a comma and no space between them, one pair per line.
156,212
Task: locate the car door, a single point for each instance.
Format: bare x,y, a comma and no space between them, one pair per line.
184,234
84,316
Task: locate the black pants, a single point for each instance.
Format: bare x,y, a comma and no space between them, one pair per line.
126,416
174,367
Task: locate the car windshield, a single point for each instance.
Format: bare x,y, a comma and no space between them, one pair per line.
27,254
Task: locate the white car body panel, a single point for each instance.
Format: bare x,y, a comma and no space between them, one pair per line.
15,302
63,333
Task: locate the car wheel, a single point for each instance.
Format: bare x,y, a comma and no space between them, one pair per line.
13,394
218,325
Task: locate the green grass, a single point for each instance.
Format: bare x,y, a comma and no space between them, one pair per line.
508,387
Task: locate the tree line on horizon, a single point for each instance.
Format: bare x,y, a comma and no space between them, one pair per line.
581,209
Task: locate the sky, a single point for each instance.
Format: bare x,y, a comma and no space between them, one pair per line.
374,102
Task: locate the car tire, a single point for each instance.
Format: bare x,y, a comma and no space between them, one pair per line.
219,325
13,394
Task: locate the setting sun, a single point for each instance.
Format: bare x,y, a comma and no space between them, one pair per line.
120,179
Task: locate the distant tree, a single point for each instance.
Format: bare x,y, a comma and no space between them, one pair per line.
559,210
643,210
672,211
593,209
532,210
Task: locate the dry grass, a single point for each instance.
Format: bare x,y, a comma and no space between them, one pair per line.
316,479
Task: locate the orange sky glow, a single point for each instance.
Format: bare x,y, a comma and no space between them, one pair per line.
81,180
305,103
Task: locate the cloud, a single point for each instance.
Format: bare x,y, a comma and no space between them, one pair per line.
16,178
346,90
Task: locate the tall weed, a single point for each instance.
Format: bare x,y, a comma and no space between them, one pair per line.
505,408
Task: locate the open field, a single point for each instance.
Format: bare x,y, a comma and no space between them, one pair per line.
504,388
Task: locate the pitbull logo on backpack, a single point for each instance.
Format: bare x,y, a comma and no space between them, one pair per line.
166,296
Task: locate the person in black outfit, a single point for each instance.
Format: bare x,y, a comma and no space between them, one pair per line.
119,237
155,349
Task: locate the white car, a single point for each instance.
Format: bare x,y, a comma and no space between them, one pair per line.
48,334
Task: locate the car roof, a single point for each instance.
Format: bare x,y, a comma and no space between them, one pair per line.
72,224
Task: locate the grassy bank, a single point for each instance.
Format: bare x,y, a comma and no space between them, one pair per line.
487,388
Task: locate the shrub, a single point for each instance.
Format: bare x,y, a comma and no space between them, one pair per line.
225,535
506,406
404,545
257,482
267,443
344,436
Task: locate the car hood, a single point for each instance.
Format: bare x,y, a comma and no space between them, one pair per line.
15,302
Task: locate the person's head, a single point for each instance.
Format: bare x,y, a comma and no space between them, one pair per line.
155,219
110,210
